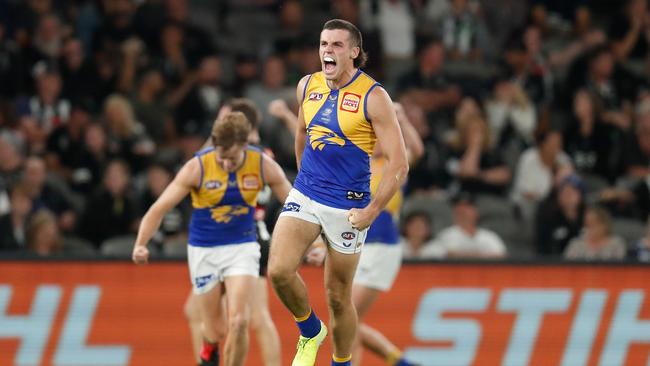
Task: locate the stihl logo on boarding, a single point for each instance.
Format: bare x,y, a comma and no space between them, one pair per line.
314,97
73,344
350,102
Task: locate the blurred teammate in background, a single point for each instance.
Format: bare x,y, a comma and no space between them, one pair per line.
334,142
223,254
265,331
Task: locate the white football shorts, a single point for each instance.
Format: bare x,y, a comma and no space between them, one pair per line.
378,266
334,222
211,265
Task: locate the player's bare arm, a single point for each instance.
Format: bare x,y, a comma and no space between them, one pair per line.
389,135
276,179
412,140
301,129
186,178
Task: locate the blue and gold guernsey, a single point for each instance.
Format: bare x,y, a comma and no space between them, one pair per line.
384,228
224,202
335,166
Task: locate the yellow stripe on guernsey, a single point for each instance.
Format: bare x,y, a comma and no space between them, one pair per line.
224,202
335,166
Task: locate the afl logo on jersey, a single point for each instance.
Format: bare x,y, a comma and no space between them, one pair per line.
348,235
350,102
212,184
250,182
315,96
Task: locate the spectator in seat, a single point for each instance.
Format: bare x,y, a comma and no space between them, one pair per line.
597,241
13,224
559,217
417,237
589,141
46,195
473,162
427,85
110,204
465,239
42,235
537,171
42,113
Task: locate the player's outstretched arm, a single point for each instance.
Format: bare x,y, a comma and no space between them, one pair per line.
301,129
276,179
389,135
186,178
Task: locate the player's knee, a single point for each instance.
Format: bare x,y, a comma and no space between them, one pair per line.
238,323
214,330
191,311
337,302
279,275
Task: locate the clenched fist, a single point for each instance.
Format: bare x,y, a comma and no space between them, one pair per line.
140,254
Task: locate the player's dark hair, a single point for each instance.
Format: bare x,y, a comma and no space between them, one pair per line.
249,109
355,37
231,130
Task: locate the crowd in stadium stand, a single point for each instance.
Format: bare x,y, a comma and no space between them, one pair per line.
535,116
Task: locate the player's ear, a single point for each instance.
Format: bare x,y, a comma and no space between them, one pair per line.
355,52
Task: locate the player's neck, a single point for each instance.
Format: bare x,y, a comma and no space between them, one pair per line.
345,78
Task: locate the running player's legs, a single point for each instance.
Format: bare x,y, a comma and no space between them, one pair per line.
193,316
363,298
210,310
376,273
291,238
239,289
267,336
339,272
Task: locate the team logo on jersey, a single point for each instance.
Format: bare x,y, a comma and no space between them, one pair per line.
348,235
314,97
319,136
350,102
291,207
212,184
225,214
250,182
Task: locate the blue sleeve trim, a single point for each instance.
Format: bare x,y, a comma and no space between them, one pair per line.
262,168
304,90
201,179
204,151
365,101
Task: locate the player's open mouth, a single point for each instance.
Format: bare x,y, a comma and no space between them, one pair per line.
329,65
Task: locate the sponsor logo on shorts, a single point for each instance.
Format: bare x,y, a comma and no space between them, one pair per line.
200,282
350,102
212,184
315,96
355,196
250,182
347,245
291,206
348,235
